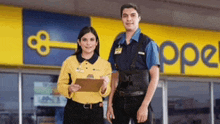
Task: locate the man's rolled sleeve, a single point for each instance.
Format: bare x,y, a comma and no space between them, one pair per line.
152,56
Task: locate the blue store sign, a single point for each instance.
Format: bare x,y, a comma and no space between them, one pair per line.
49,38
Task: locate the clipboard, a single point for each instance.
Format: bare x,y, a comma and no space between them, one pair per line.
89,85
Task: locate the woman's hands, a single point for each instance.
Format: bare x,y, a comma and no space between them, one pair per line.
105,83
73,88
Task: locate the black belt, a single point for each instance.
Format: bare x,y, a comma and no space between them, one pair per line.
134,93
86,106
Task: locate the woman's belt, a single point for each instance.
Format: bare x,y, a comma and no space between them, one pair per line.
85,106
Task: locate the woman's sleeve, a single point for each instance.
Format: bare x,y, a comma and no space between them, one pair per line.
108,71
63,80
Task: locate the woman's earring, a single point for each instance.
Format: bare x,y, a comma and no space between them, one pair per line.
78,42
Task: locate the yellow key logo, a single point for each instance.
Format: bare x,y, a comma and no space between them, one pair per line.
43,45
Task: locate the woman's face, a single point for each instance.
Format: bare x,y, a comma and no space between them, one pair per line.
88,43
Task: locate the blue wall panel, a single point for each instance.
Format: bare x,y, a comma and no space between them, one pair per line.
60,27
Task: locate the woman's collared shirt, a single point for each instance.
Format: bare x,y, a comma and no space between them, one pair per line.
78,67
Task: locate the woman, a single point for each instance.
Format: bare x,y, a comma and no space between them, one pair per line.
84,107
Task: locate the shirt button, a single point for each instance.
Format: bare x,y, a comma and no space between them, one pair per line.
86,68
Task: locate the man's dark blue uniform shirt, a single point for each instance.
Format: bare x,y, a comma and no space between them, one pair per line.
147,57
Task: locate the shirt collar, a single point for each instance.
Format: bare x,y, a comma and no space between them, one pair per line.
92,60
135,37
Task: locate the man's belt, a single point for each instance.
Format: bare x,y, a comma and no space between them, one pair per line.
134,93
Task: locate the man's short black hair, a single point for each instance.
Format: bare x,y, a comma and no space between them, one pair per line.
130,5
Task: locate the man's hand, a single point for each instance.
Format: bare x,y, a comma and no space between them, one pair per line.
110,114
142,114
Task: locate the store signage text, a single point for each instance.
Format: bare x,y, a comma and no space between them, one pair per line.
180,54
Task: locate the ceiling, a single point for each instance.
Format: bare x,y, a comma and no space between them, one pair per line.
204,14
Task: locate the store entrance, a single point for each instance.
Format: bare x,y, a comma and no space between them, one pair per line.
35,91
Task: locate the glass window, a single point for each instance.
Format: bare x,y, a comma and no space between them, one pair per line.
217,103
157,106
41,103
9,104
188,102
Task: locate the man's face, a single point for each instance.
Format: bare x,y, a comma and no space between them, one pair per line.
130,19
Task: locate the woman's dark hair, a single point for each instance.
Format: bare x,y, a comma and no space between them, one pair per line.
130,5
84,31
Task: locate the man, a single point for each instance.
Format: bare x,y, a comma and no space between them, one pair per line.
136,59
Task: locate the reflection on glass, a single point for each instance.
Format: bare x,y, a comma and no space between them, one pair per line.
188,103
217,103
9,104
157,107
41,101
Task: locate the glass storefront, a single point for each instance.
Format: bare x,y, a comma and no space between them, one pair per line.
157,106
9,99
216,103
41,103
189,102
